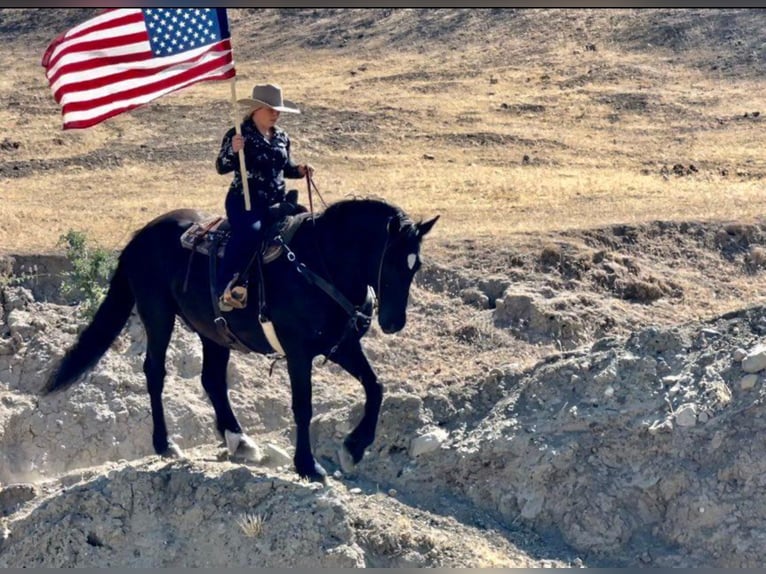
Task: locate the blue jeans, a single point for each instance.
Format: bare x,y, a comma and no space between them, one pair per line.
247,228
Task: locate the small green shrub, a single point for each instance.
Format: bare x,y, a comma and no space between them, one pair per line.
91,269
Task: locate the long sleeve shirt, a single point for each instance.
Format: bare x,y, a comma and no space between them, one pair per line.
268,163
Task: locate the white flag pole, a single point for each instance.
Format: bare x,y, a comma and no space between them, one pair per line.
242,169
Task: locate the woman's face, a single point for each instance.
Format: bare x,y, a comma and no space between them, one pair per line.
266,117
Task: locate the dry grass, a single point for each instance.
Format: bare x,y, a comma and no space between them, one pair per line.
605,126
251,524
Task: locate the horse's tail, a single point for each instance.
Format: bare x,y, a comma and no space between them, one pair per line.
93,342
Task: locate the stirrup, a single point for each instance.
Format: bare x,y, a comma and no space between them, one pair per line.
223,306
234,297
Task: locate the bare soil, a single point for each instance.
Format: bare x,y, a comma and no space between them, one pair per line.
586,396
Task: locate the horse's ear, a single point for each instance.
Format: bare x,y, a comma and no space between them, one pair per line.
424,228
394,225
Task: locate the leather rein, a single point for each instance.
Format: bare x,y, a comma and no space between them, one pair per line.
358,320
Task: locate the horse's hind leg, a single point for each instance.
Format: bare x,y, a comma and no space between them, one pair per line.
351,357
158,320
215,359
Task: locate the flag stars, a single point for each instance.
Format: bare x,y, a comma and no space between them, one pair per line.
172,31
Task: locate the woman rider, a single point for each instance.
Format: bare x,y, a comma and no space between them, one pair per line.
268,163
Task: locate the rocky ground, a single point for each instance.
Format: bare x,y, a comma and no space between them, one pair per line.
570,405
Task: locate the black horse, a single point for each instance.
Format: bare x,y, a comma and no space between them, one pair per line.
317,296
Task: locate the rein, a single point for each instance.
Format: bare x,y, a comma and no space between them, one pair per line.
382,258
325,286
357,319
311,188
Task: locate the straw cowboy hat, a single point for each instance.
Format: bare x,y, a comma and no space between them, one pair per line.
269,95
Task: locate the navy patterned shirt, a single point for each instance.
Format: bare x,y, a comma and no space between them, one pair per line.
267,163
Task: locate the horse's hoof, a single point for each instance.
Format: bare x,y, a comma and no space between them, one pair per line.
346,460
172,451
248,451
318,474
242,447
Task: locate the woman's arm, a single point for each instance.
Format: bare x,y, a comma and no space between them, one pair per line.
226,161
291,169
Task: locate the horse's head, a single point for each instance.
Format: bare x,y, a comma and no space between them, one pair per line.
399,263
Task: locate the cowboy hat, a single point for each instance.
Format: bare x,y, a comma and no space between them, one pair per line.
269,95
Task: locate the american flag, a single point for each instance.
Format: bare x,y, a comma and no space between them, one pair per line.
125,58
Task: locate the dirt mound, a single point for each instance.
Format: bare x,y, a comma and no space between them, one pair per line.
542,413
199,513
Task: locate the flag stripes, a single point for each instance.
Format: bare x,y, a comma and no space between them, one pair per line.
111,63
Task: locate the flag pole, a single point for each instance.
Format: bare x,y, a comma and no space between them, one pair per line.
242,169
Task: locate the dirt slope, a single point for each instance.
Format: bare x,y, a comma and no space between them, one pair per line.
626,442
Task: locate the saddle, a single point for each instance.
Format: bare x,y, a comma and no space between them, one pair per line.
210,237
215,230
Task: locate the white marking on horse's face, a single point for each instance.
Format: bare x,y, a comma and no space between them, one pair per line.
411,260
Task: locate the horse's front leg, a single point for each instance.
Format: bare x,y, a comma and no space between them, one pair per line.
299,369
351,357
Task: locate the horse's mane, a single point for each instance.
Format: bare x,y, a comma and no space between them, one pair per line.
360,206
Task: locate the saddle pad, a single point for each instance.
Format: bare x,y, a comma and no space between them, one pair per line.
199,237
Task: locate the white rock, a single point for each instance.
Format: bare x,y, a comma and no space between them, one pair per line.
20,323
739,354
660,426
608,375
686,415
748,382
755,360
427,442
17,298
276,455
670,380
532,506
343,427
575,379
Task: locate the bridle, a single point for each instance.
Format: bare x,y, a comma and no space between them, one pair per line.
382,259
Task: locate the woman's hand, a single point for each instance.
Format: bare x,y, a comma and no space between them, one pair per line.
305,168
237,142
